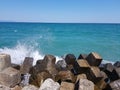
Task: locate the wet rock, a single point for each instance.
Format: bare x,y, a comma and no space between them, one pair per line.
82,56
3,87
10,77
49,84
65,76
81,76
85,84
94,74
30,87
39,78
115,85
67,86
5,61
27,64
81,66
94,59
70,59
117,64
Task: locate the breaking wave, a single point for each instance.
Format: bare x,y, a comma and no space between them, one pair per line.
20,51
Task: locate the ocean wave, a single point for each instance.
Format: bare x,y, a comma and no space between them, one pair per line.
20,51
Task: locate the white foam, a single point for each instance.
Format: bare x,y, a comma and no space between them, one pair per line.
20,51
106,61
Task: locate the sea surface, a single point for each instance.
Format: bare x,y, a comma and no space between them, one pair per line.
38,39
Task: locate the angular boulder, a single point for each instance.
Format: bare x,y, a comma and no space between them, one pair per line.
70,59
94,59
82,56
5,61
65,76
10,77
67,86
81,66
39,78
81,76
115,85
85,84
101,84
94,74
49,84
27,64
49,61
104,76
109,67
117,70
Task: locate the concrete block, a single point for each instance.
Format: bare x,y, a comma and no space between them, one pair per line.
10,77
5,61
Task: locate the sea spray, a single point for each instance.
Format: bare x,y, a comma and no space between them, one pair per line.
20,51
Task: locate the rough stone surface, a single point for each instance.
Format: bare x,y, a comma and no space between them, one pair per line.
16,88
70,59
49,61
49,84
81,76
27,64
104,76
82,56
65,76
39,78
30,87
3,87
9,77
94,74
67,86
94,59
5,61
81,66
16,66
109,67
85,84
101,84
115,85
112,75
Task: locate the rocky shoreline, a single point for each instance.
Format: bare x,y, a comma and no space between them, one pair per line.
83,73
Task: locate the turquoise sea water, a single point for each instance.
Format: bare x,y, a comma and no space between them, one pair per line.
38,39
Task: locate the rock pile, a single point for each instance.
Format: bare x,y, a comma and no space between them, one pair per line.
84,73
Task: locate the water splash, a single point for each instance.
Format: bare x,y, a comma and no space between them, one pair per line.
20,51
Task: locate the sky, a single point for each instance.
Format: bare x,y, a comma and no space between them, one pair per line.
78,11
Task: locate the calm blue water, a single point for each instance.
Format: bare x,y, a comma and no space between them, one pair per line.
38,39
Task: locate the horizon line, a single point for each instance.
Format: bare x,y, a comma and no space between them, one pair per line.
1,21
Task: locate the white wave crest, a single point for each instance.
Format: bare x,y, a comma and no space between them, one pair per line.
20,51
